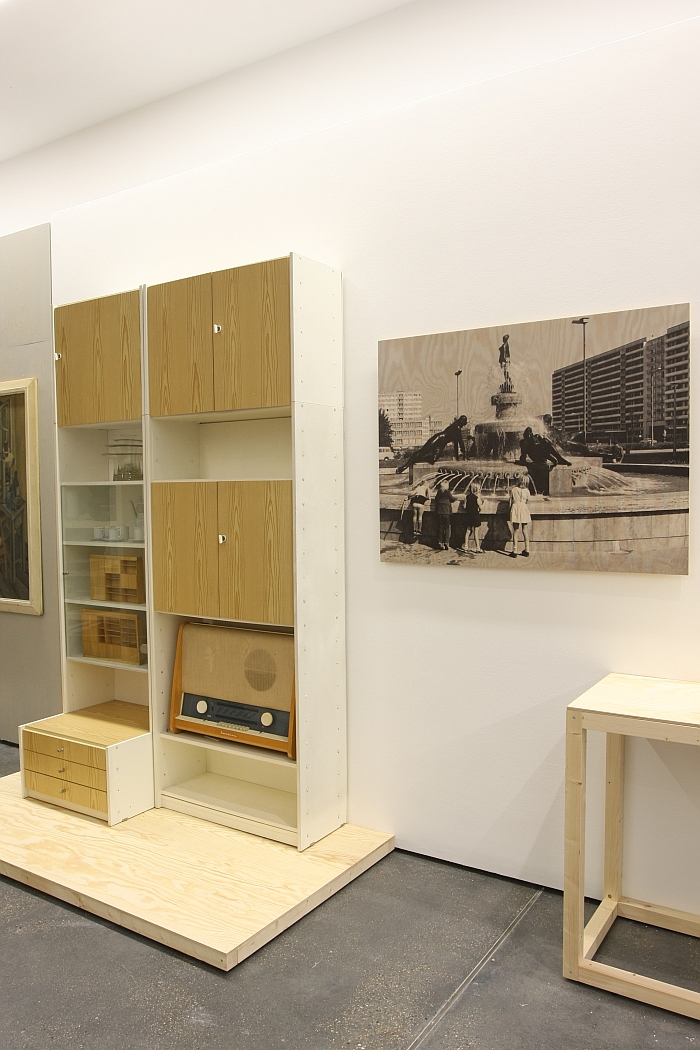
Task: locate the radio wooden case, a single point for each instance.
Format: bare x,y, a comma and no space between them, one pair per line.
235,684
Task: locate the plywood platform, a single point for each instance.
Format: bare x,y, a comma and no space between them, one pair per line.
207,890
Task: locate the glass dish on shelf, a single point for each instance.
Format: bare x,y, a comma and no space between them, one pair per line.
126,459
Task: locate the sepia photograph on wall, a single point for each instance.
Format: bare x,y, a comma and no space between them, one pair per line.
560,444
20,530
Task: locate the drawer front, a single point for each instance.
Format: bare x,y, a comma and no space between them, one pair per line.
63,791
55,747
73,772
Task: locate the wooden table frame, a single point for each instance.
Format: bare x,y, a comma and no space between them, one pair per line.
610,708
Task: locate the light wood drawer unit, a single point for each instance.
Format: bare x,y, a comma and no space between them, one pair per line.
86,798
74,772
98,761
70,750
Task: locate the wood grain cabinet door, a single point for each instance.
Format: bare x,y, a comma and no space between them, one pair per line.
98,373
252,351
256,581
185,542
180,347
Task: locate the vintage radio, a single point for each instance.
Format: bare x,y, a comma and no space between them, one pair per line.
235,684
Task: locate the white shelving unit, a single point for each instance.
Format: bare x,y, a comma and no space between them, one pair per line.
300,443
246,816
89,499
244,787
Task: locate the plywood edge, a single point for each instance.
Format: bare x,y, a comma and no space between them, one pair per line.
116,915
298,911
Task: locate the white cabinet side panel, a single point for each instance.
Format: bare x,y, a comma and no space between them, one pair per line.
317,333
320,620
130,778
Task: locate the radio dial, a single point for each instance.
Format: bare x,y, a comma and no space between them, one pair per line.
202,706
266,719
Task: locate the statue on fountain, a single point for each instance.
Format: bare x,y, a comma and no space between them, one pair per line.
541,453
504,362
431,451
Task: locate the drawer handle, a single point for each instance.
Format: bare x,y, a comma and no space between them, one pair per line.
60,749
62,769
63,791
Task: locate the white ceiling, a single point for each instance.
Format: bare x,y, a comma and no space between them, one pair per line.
67,64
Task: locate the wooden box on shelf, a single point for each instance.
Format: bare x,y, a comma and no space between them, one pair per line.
97,761
114,636
117,579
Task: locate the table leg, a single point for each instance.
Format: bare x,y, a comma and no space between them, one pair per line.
575,846
614,801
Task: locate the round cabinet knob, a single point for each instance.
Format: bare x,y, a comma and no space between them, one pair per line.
266,719
202,707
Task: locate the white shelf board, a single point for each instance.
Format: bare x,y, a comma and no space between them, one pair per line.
104,543
128,606
230,747
104,484
265,805
189,481
119,424
143,668
250,625
227,416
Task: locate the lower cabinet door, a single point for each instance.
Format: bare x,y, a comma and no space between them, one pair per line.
255,551
185,555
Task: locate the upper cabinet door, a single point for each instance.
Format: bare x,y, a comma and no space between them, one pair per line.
98,373
252,350
185,547
256,579
180,347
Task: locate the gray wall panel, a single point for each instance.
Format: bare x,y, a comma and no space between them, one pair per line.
30,674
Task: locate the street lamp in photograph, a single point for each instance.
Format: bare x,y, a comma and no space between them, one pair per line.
583,321
457,375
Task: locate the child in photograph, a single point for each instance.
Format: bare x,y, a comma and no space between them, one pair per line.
519,518
473,506
419,500
442,505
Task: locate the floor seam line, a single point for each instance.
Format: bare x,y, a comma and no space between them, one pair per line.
438,1016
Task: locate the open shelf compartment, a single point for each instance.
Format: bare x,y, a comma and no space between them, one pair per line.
239,786
222,450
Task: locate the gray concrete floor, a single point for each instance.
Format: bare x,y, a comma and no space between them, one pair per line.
384,965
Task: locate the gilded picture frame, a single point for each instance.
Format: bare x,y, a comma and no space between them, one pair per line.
20,524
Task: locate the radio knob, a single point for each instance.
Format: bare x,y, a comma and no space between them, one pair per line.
266,719
202,706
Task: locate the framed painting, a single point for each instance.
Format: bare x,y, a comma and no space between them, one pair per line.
20,526
559,444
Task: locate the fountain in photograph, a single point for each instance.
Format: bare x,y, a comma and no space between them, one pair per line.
578,506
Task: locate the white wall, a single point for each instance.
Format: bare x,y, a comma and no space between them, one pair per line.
567,186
